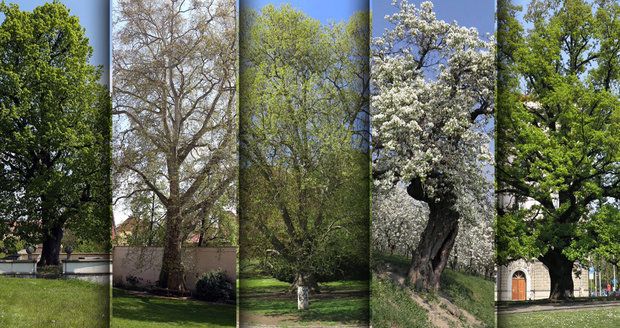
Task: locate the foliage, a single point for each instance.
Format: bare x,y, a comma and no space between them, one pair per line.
54,126
214,286
81,244
557,149
599,235
304,168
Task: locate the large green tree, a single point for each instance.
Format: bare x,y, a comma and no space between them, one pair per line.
558,143
304,159
54,130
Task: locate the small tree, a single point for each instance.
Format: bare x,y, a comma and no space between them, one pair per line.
304,170
55,129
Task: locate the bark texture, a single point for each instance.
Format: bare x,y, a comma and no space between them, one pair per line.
436,242
561,274
51,247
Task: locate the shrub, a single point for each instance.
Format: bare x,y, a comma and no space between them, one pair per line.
214,286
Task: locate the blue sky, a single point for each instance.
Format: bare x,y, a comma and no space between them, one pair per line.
479,14
94,16
324,10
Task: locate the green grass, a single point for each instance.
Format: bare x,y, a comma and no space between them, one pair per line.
272,285
331,311
601,317
262,285
391,306
346,285
471,293
27,302
129,311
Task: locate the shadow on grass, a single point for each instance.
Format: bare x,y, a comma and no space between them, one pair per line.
151,309
344,310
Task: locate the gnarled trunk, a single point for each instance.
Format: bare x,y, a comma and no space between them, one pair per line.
433,251
561,274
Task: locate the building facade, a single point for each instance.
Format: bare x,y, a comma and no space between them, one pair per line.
529,280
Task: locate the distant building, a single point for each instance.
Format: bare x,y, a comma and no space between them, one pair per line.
529,280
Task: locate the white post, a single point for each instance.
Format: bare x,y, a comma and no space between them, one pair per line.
302,298
615,281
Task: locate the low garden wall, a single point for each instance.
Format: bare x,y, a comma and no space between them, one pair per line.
18,267
97,270
140,266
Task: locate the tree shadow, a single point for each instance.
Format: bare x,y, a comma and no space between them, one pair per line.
154,309
329,308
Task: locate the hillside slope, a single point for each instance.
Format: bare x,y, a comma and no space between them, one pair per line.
463,301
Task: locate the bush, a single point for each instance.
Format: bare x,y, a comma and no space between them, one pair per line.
213,286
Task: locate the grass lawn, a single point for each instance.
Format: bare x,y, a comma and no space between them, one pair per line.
129,311
474,294
391,306
340,303
602,317
28,302
471,293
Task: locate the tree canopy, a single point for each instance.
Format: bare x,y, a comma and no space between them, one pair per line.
174,100
55,129
558,143
304,162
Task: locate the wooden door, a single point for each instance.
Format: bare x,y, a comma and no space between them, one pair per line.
518,286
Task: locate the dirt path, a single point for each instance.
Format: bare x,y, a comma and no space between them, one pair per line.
441,312
264,321
558,307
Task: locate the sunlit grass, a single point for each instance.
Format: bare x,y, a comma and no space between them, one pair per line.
590,317
29,302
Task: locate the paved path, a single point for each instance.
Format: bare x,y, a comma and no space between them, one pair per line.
557,307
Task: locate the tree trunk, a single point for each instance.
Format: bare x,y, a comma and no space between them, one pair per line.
171,275
561,274
51,246
305,280
302,285
433,251
303,301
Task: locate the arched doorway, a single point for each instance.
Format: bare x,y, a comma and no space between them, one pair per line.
518,286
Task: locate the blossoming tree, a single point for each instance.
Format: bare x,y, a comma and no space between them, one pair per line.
433,86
